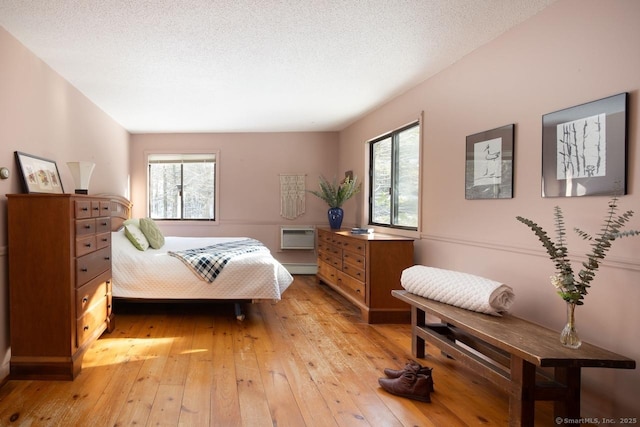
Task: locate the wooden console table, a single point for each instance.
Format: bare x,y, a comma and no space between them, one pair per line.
516,348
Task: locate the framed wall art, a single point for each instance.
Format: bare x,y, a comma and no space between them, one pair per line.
38,175
584,149
489,164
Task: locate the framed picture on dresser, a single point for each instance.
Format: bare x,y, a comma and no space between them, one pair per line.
38,175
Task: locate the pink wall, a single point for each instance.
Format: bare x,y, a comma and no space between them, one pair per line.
44,115
250,165
573,52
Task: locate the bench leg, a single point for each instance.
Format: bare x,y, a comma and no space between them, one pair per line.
522,396
568,407
417,343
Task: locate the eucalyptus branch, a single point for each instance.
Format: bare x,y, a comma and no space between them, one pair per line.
570,288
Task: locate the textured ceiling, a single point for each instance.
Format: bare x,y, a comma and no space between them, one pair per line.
239,65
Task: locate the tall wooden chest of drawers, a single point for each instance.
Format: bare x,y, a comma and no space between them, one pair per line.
364,268
59,281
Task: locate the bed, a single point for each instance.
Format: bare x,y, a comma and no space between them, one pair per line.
164,275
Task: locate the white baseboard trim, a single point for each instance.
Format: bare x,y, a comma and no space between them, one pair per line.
301,268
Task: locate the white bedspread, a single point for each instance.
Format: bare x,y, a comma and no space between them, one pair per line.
460,289
153,274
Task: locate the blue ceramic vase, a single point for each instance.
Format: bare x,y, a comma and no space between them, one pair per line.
335,218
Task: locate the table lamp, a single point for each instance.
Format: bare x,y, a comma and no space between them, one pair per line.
81,172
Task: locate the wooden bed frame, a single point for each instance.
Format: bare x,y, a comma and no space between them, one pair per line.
120,212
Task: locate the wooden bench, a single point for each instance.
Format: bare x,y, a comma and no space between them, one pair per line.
511,351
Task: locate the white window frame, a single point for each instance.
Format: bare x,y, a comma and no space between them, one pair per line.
216,155
409,231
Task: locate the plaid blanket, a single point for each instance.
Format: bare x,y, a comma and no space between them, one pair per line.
209,261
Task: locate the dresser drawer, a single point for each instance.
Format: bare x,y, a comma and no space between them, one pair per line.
91,321
82,209
91,265
351,244
323,246
103,225
90,294
327,272
85,226
103,240
333,261
105,208
354,259
323,236
95,208
85,245
329,249
355,272
352,286
334,250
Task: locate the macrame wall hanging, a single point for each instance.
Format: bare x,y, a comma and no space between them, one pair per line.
292,191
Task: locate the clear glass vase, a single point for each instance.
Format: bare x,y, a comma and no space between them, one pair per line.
569,335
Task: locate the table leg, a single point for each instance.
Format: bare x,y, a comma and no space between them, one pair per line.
568,407
522,396
417,343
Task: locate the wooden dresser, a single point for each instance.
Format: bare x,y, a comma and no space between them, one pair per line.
59,281
365,268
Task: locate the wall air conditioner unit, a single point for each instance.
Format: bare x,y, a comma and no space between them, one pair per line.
302,237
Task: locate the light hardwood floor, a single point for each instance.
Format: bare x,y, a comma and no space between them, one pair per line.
307,360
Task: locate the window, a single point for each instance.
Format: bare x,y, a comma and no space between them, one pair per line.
182,186
395,178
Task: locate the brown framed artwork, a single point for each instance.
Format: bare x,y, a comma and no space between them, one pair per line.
489,164
38,175
584,149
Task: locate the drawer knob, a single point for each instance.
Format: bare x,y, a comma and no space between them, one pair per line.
107,258
86,327
104,223
84,269
88,245
85,300
104,239
88,227
84,209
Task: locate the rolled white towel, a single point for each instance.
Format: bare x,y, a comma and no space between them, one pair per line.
460,289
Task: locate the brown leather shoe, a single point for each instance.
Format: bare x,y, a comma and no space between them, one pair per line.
413,365
410,385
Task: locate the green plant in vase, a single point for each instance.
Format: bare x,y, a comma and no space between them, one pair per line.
335,194
570,287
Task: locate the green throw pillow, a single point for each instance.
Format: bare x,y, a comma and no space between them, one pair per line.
134,221
135,235
152,233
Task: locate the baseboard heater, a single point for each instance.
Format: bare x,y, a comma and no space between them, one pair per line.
299,268
300,238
